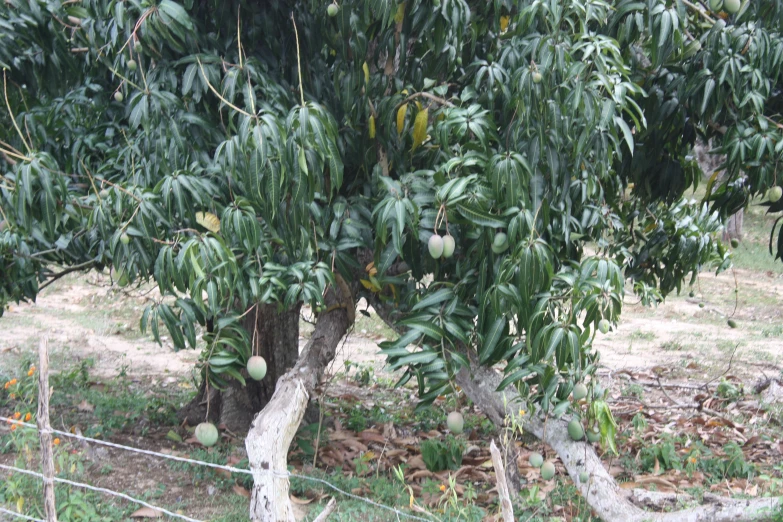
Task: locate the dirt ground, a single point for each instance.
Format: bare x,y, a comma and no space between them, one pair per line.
85,318
686,339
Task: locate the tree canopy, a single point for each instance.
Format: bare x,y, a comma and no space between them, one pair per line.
243,152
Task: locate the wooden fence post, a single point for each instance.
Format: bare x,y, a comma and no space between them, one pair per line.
500,476
45,431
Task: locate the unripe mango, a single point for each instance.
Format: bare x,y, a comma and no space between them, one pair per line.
435,245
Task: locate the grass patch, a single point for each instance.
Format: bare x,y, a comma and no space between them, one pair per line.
753,251
642,335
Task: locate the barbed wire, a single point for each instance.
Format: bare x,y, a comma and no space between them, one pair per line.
231,469
101,490
137,450
19,515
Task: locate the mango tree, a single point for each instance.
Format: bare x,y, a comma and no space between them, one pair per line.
492,177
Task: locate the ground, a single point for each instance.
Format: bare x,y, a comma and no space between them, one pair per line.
111,382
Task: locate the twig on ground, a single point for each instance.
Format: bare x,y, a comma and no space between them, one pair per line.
728,368
672,399
327,511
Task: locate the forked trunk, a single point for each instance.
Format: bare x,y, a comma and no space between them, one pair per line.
274,428
275,337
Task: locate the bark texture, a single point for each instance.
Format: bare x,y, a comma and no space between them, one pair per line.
274,428
45,432
733,228
709,164
275,337
500,474
601,491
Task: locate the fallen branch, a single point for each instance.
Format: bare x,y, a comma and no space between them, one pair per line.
672,399
670,385
601,491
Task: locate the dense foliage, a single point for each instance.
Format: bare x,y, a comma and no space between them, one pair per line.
238,152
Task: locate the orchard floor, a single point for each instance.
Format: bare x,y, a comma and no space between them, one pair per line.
112,382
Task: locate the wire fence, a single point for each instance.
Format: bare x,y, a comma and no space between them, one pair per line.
19,515
232,469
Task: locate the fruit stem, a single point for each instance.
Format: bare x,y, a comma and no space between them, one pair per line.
13,118
437,217
298,61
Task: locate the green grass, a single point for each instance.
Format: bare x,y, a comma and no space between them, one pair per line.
753,251
644,336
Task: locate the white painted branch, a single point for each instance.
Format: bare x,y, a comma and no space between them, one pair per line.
601,491
273,429
267,446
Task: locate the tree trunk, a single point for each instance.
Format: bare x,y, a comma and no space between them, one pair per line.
274,428
275,337
602,493
733,228
709,164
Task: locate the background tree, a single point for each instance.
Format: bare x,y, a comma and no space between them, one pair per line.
254,157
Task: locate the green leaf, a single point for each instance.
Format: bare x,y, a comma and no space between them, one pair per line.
491,339
709,86
422,357
626,132
479,217
433,299
427,328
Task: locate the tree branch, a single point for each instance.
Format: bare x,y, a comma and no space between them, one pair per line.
424,95
76,268
601,491
695,8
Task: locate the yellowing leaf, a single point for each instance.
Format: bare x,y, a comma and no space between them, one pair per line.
370,285
366,70
209,221
503,24
420,128
371,126
369,266
401,112
400,14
